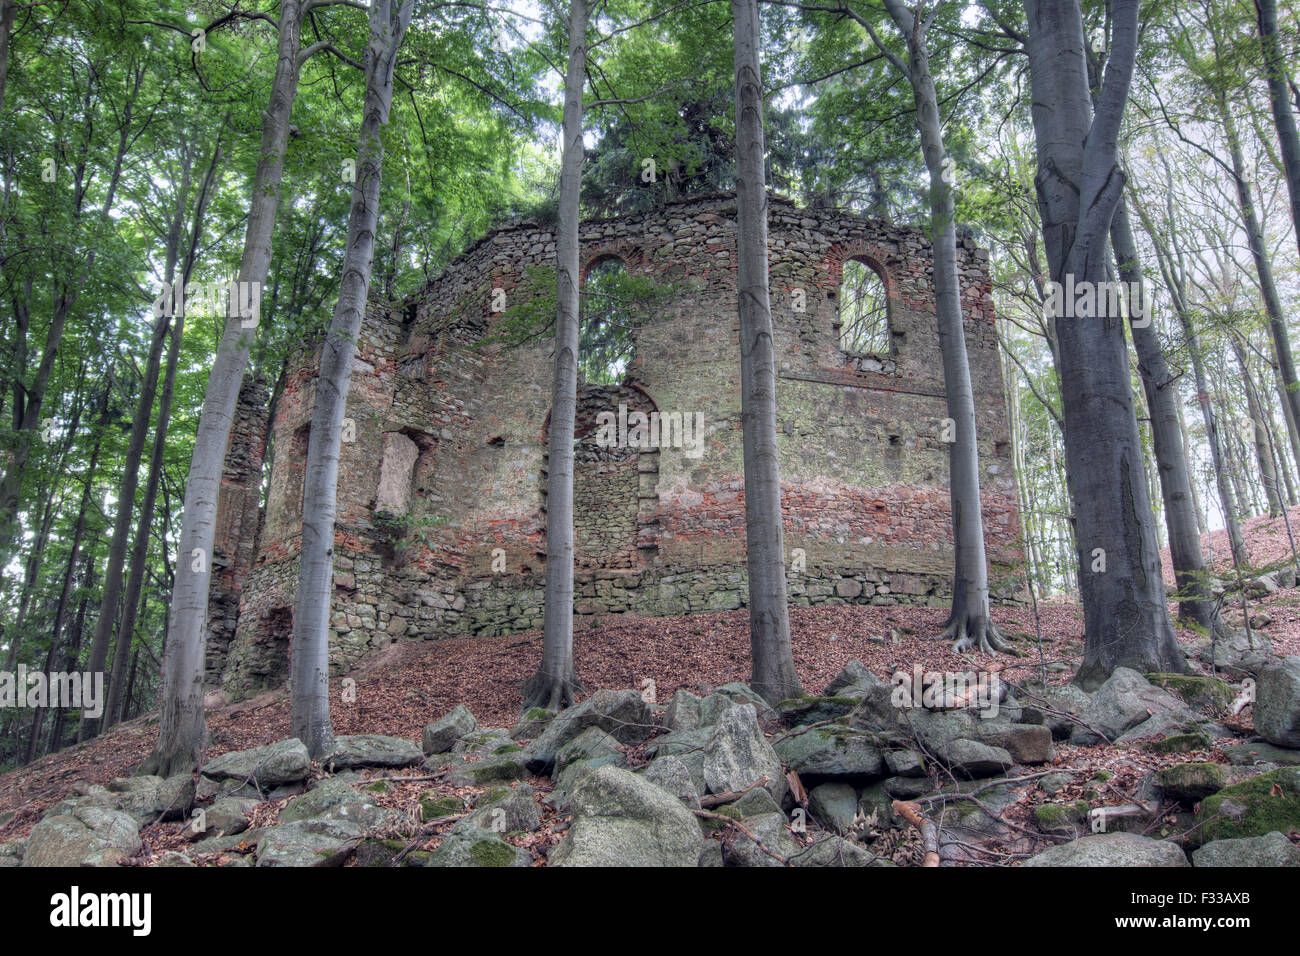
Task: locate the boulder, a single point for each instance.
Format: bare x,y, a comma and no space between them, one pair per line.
1125,700
1271,849
621,713
831,753
308,843
837,851
855,680
744,694
593,745
531,723
971,759
82,836
621,819
737,754
1277,703
1190,783
485,741
814,710
774,836
285,761
1254,807
1258,752
1047,705
372,750
1111,849
441,735
481,773
835,805
228,815
478,847
673,775
503,810
1210,694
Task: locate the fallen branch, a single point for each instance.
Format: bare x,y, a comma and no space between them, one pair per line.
911,812
717,799
745,830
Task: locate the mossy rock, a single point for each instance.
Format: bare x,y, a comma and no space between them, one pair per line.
508,749
1190,783
1254,807
378,786
1204,693
1061,817
796,711
434,805
1102,775
375,853
1181,743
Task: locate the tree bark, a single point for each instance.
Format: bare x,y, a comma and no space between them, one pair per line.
182,729
1079,182
968,625
1195,603
309,706
773,675
1279,82
1258,431
556,681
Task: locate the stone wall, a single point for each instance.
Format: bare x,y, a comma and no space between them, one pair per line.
441,526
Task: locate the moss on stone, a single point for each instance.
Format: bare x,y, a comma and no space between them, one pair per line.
492,853
1057,816
1194,689
434,805
1254,807
1181,743
378,786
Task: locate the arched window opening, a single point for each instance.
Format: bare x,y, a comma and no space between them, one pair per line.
864,311
606,344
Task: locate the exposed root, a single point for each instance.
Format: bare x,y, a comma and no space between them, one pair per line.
981,634
551,692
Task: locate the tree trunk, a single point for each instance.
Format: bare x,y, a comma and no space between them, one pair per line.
182,730
1259,252
772,655
1258,431
1195,603
140,546
1279,82
968,625
309,707
1079,182
556,681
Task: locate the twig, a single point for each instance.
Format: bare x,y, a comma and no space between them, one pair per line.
911,812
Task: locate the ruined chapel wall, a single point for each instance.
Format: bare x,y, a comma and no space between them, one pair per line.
450,438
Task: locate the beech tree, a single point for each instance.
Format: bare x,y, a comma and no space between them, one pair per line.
309,708
1079,183
555,683
772,656
182,729
968,625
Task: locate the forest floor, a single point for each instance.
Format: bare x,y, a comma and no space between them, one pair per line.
412,683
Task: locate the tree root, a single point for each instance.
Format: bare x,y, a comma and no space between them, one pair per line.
551,692
981,634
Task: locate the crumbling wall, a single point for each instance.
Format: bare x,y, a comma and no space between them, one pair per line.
235,542
441,526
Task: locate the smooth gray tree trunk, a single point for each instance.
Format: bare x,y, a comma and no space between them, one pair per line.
309,706
1279,84
182,729
555,683
969,625
772,656
1079,183
1195,603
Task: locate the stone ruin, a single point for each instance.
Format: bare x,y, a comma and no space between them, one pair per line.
442,480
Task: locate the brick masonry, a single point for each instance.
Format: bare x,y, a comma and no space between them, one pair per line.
441,498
